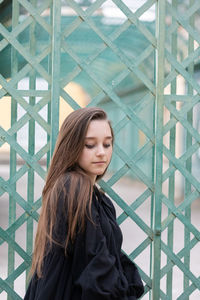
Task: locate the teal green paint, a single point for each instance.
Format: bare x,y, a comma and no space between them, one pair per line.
31,145
14,245
180,255
181,265
116,50
188,187
19,270
9,290
171,188
160,33
126,208
12,204
152,176
49,86
24,204
55,82
17,96
31,8
26,156
33,62
20,221
135,21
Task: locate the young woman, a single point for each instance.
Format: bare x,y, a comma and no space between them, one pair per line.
77,253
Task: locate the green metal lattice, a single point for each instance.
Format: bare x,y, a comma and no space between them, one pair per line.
154,67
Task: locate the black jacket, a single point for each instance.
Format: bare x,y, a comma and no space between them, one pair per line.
95,268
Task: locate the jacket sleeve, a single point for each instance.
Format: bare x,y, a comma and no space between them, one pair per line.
136,288
94,269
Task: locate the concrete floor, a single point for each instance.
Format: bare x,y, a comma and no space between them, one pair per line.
129,190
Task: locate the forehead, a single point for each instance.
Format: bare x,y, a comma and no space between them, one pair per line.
99,129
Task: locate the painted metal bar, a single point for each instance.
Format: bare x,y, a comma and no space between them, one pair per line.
24,71
23,218
181,69
160,34
48,157
171,187
9,290
24,204
191,101
183,22
181,265
31,144
180,208
182,218
152,178
55,76
69,99
179,165
17,95
30,59
127,11
133,166
29,160
131,65
122,217
188,186
25,118
194,6
180,255
136,252
20,172
123,170
14,245
28,93
31,8
108,91
126,208
185,63
24,24
18,271
179,116
115,82
142,9
181,98
13,154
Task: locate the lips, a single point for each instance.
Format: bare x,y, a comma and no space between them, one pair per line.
99,162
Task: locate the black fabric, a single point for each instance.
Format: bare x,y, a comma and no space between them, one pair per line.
95,268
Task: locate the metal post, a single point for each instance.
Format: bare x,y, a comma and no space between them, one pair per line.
55,84
13,155
160,34
188,187
31,143
172,149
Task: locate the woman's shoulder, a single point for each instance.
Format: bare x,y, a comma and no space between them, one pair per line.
106,200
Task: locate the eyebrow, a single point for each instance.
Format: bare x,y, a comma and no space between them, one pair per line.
93,138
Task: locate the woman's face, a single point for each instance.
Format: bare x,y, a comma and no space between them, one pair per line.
97,151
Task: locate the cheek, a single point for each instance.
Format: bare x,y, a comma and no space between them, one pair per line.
110,153
84,157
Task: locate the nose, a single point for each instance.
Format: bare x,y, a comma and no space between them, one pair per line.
100,150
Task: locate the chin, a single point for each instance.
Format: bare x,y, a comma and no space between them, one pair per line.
99,173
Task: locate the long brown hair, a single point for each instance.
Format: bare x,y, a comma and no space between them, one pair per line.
64,169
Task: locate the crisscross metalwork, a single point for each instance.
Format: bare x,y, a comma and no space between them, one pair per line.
132,69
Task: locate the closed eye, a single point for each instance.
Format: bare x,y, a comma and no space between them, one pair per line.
107,145
92,146
89,146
